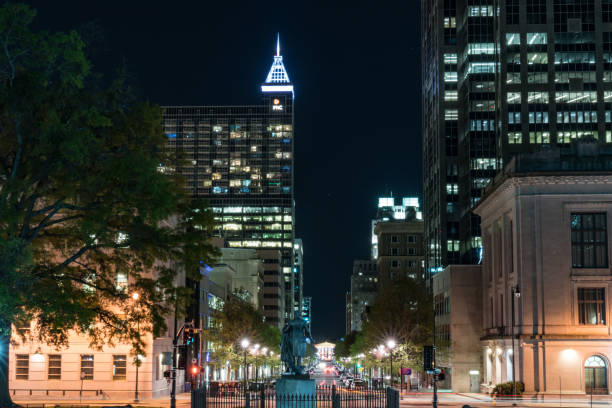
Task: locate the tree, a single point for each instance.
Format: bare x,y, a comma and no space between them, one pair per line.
238,320
88,196
403,311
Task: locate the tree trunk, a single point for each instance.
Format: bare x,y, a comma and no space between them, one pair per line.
5,336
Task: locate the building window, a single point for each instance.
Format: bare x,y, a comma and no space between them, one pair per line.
589,242
394,252
87,366
119,366
394,238
54,371
411,238
23,367
411,251
395,264
591,306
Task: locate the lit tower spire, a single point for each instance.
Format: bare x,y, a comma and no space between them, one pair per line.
277,79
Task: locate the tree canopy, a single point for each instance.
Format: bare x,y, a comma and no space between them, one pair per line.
91,210
239,320
402,311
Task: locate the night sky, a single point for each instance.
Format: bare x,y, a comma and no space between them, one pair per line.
355,67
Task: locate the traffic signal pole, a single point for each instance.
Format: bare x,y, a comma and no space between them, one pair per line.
435,374
177,334
174,347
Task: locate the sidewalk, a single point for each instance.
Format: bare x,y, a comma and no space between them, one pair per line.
182,400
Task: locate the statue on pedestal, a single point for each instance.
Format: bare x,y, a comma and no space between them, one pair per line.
293,345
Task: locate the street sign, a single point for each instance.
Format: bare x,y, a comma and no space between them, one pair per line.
406,371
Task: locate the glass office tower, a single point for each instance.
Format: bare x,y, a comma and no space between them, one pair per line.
502,77
240,159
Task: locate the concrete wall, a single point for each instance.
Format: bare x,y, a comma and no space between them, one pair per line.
461,284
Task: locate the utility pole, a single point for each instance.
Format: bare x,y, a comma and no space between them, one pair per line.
174,347
435,374
177,334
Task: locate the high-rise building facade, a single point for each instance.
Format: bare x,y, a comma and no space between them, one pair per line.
296,281
388,210
400,248
364,286
240,159
500,77
307,310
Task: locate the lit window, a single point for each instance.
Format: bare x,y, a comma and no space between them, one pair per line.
513,97
87,366
22,371
450,95
54,371
591,305
513,39
121,282
450,58
537,38
450,77
589,242
451,114
119,367
539,137
515,138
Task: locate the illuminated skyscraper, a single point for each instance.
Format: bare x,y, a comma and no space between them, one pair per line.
240,159
500,77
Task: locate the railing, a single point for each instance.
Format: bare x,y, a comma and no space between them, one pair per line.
265,397
45,391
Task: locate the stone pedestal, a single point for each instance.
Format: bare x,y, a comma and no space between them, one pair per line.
295,392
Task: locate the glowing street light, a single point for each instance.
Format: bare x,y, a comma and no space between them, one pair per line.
245,344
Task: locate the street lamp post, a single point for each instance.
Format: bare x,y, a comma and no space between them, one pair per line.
264,352
135,296
245,344
391,345
255,351
516,293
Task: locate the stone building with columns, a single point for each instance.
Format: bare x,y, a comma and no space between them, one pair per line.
546,276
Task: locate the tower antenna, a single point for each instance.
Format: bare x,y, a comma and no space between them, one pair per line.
277,44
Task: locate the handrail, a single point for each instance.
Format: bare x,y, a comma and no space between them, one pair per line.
47,390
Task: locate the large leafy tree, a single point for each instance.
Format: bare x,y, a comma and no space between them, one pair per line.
84,200
238,320
402,311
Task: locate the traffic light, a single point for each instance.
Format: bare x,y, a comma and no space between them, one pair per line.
441,376
187,335
428,358
182,354
195,370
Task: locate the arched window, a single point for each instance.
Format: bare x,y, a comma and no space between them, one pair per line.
595,375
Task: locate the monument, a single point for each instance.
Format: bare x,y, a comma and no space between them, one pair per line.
295,388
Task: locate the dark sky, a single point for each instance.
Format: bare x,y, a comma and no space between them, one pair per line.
355,66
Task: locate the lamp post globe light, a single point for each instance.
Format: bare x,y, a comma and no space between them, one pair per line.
245,344
391,345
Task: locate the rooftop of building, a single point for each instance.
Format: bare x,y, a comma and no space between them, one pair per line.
584,157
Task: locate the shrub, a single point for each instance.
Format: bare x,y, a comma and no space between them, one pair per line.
507,388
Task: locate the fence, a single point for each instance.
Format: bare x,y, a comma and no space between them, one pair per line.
265,397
